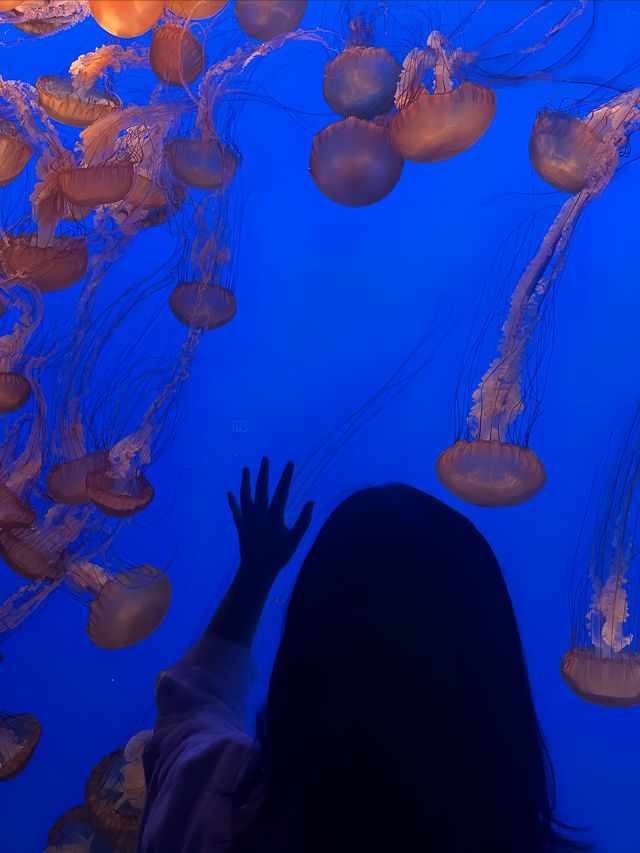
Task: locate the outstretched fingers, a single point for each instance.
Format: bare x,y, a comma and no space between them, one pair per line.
281,492
246,504
261,499
235,509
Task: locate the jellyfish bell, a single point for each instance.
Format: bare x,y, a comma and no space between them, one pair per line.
157,203
126,18
263,21
92,186
73,833
66,482
19,736
565,151
118,496
14,512
55,266
491,473
14,153
353,162
196,9
361,81
202,306
25,560
613,681
74,105
438,126
176,56
202,162
15,390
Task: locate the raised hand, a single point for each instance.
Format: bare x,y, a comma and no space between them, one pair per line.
266,543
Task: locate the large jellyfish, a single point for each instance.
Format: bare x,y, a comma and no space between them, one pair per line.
19,736
116,792
126,18
603,664
73,833
176,54
488,468
266,19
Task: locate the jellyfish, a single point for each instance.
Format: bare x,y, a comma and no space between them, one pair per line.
73,833
116,792
126,18
265,20
19,737
15,153
353,162
603,664
176,55
489,468
201,162
195,9
361,80
25,305
59,264
43,18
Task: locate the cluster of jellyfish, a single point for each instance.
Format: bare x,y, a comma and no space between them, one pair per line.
99,171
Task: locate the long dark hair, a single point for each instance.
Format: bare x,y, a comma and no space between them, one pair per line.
399,716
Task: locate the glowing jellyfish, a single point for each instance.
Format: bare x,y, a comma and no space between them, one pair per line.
77,106
565,150
116,792
176,55
266,19
126,607
91,186
8,5
126,18
15,153
201,162
118,496
202,305
432,126
55,266
353,162
19,736
196,9
491,469
603,664
361,80
73,833
66,482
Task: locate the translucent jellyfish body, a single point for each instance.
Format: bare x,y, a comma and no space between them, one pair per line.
14,153
196,9
353,162
73,833
25,560
432,127
74,105
176,55
92,186
202,162
361,82
266,19
15,390
491,473
19,736
202,306
126,607
565,150
14,512
610,681
118,496
115,794
55,266
66,482
126,18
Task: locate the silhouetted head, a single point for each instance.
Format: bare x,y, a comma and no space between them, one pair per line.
399,715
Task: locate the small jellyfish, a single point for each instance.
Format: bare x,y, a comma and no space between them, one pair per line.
55,266
42,18
66,482
491,469
196,9
91,186
73,833
361,80
202,305
118,495
19,736
26,560
565,150
265,19
116,792
353,162
201,162
15,390
603,664
176,56
126,607
126,18
15,153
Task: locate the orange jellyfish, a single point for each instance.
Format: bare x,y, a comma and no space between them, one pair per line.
266,19
490,468
42,18
126,607
55,266
15,153
19,736
66,481
116,792
126,18
201,162
176,56
361,80
603,664
353,162
118,495
25,309
196,9
73,833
